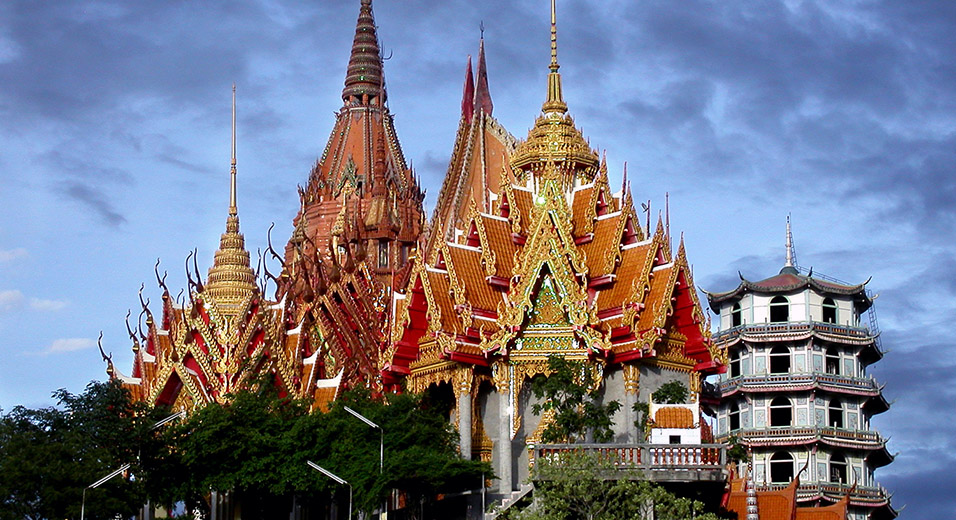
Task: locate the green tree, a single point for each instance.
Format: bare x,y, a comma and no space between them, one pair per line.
256,447
673,392
49,455
572,393
579,486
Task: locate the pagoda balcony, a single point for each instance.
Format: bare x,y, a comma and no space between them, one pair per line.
866,496
800,381
770,331
677,463
802,435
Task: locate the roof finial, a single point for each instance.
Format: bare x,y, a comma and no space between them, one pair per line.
555,102
752,511
482,93
233,211
789,244
554,38
364,80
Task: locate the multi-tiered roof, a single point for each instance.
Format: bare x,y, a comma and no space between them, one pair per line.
543,257
225,337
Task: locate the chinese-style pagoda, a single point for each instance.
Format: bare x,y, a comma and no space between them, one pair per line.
532,255
797,393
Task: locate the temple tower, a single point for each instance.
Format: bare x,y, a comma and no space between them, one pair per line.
797,392
360,192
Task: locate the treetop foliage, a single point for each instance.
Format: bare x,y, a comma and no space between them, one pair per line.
573,395
255,447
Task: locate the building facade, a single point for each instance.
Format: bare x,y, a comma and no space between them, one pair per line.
797,393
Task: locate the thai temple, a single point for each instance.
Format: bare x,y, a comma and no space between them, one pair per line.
530,253
538,256
797,393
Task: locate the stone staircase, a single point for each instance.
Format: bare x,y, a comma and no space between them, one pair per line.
509,500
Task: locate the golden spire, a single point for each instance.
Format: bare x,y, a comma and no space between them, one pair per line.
232,185
554,139
555,102
231,280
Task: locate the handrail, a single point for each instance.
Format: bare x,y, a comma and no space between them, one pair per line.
645,457
794,326
799,378
831,489
808,432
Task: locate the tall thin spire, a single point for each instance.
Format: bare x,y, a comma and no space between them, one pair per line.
789,245
482,93
555,102
231,280
233,210
364,79
554,38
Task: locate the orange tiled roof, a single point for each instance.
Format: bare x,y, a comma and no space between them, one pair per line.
674,417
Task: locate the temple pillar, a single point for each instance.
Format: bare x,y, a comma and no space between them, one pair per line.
632,377
501,377
504,441
463,386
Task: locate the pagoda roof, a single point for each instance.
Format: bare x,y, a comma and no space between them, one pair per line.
788,280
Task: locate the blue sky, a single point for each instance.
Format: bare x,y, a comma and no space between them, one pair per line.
114,151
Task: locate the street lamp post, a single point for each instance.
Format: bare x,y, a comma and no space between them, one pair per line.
98,483
334,477
381,446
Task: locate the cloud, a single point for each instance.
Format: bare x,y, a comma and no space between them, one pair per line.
95,201
10,299
60,346
12,254
39,304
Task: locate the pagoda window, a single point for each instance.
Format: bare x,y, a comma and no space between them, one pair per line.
781,467
829,311
838,469
734,416
781,412
779,309
736,315
735,363
835,413
404,254
780,360
383,253
833,361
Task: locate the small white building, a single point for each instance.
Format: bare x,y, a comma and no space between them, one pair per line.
675,423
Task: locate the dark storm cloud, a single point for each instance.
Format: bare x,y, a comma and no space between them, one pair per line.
75,59
93,200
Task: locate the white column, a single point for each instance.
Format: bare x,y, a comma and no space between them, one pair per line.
464,422
504,442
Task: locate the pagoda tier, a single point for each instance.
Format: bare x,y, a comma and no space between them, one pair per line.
540,258
797,392
361,188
